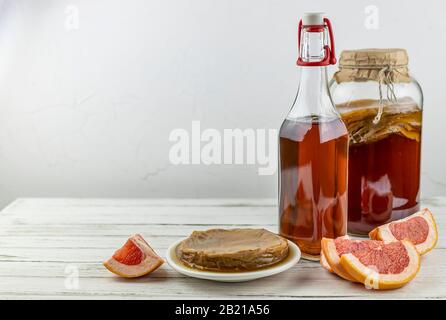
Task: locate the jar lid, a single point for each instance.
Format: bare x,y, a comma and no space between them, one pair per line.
382,65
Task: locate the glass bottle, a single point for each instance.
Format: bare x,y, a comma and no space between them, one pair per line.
313,149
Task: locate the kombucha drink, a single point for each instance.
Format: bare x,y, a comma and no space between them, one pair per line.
313,143
384,162
313,182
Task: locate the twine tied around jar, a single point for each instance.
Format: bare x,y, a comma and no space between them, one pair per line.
385,77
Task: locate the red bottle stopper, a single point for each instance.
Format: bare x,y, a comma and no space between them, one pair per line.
329,57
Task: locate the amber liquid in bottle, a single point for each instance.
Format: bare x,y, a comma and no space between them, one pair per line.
313,143
313,182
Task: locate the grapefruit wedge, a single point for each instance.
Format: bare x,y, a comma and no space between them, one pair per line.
332,249
382,265
419,228
135,259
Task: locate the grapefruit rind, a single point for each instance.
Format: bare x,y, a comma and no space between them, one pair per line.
385,234
373,280
150,262
324,262
333,258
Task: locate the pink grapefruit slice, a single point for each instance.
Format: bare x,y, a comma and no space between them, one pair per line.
135,259
332,249
419,228
382,265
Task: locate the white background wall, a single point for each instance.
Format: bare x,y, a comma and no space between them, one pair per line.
87,111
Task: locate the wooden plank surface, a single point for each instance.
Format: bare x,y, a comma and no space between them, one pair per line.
45,243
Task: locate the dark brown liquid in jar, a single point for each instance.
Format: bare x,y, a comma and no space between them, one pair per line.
313,182
384,163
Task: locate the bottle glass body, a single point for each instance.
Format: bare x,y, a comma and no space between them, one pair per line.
313,161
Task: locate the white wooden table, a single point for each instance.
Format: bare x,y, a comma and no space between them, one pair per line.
45,243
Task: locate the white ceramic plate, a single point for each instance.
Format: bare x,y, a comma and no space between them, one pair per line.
288,262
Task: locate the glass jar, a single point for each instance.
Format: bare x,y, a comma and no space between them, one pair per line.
381,105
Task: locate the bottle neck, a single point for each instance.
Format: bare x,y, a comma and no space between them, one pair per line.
313,100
